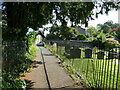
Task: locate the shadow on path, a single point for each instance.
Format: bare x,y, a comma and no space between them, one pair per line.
36,63
48,54
29,83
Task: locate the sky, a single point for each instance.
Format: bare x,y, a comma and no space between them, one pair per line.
112,15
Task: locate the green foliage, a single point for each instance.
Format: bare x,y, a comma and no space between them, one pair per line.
107,26
68,33
30,39
108,35
62,33
91,31
36,14
104,43
27,14
32,52
81,37
111,24
78,12
111,43
12,34
52,37
117,34
99,40
11,83
11,74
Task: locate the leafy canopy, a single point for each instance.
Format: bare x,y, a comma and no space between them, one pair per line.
23,15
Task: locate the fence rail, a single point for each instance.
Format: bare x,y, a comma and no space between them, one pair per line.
99,68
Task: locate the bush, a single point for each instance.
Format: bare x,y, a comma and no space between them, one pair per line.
31,52
99,40
52,37
98,43
107,44
18,61
109,36
62,33
111,43
81,37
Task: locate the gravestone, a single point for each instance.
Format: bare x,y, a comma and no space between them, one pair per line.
75,53
100,55
72,52
67,51
112,55
51,42
88,53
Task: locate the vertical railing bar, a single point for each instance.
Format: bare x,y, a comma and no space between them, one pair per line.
108,70
60,51
93,72
82,61
98,69
95,63
110,74
79,61
118,70
100,76
102,73
87,69
114,73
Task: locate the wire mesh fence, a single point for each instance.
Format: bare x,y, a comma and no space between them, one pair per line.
99,68
12,54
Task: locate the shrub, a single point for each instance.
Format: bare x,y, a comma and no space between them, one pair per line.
98,43
99,40
81,37
52,37
62,33
111,43
109,36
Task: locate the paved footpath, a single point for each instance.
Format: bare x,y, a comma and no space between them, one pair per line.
57,76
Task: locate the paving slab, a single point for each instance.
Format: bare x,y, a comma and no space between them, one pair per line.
36,77
56,74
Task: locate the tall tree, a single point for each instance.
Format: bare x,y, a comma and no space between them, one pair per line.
20,15
91,31
80,12
108,26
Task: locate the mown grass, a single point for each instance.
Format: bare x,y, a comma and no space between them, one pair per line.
97,73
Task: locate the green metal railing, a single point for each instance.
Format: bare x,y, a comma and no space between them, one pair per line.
99,68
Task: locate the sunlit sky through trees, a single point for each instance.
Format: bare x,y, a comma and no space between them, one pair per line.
112,15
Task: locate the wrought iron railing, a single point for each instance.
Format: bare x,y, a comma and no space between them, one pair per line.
99,68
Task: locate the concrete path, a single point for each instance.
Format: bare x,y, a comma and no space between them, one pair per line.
36,77
57,76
